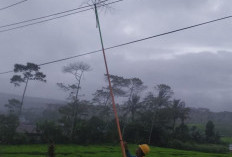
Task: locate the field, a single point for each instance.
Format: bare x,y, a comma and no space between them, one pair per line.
94,151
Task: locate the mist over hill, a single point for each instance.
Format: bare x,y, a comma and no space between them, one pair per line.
222,120
29,102
35,107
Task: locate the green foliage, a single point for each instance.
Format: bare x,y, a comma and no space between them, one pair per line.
8,125
182,133
94,128
50,131
210,134
158,119
28,72
227,140
13,106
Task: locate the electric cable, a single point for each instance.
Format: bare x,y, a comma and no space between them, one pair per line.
42,17
58,17
128,43
9,6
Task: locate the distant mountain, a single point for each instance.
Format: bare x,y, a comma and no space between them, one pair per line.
29,102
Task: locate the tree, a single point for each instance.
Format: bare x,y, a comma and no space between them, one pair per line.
134,106
26,73
13,106
77,70
178,110
135,87
49,130
102,96
175,111
156,103
196,135
184,112
70,111
8,125
164,95
209,131
182,132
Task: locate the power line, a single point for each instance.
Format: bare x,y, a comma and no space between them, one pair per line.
9,6
58,17
30,24
131,42
42,17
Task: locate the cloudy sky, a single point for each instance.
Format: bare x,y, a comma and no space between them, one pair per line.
196,63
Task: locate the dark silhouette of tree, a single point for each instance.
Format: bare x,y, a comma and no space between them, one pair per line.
164,95
70,111
134,106
13,106
8,125
184,112
24,74
175,110
156,103
102,96
135,87
209,131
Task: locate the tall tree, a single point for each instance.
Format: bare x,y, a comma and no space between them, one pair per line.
164,94
102,96
177,108
134,105
27,72
184,112
70,111
156,103
135,87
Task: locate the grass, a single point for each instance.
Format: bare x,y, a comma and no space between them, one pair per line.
94,151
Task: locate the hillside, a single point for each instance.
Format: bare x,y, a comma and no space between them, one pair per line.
222,120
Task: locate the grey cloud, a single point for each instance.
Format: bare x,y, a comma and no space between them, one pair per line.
200,78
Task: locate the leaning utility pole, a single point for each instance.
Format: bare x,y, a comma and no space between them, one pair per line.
111,91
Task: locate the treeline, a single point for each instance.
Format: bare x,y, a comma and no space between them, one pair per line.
153,117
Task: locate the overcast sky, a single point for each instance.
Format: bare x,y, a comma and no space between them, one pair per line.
196,63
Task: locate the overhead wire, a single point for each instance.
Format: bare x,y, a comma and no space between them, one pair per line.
50,15
58,17
9,6
131,42
34,23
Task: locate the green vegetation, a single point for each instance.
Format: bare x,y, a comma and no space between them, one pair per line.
225,129
227,140
157,118
200,127
94,151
